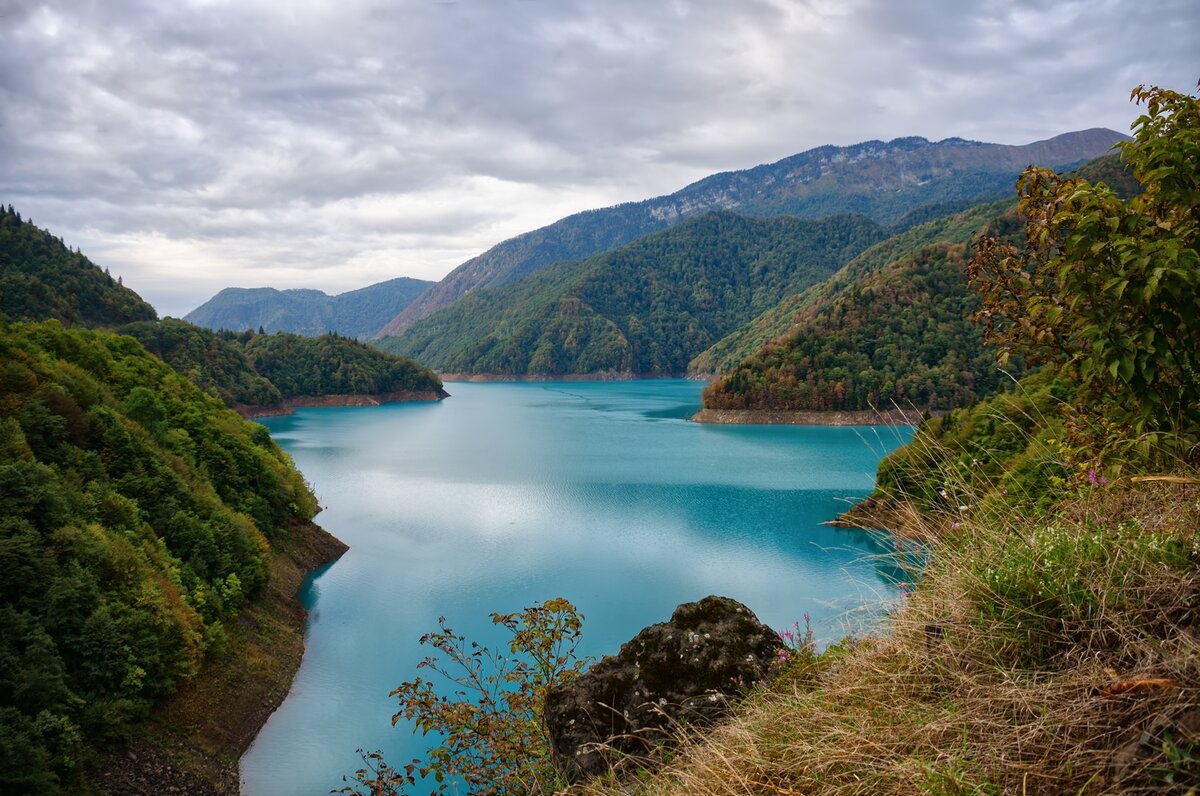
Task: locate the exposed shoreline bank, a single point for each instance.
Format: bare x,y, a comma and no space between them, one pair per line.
289,406
602,375
193,743
868,417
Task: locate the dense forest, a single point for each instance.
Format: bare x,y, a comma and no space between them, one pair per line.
892,327
216,363
902,337
333,365
41,278
776,322
357,313
250,369
646,308
136,515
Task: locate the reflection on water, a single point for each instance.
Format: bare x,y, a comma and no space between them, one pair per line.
508,494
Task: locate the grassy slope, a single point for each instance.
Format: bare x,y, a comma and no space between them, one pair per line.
1037,654
1047,657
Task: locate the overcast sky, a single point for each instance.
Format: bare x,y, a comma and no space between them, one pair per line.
191,146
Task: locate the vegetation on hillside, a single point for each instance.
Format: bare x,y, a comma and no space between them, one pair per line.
776,322
333,365
136,515
901,337
251,369
216,363
647,308
885,181
41,278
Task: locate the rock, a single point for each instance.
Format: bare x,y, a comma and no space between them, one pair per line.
682,671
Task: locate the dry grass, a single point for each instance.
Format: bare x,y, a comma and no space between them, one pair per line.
1035,657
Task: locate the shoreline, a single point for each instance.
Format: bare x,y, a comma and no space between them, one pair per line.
193,742
602,375
863,417
250,412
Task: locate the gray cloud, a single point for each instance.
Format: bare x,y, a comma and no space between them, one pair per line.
332,143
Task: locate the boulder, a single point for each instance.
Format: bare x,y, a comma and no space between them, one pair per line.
679,673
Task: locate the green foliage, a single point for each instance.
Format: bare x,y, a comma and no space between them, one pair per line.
134,518
900,336
1053,590
334,365
646,308
41,278
214,363
777,321
1008,449
1109,288
493,738
358,313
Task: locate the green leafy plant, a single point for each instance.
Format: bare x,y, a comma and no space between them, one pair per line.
493,739
1108,288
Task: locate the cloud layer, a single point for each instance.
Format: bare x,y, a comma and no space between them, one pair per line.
191,146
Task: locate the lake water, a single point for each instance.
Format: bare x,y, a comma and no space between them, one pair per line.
505,495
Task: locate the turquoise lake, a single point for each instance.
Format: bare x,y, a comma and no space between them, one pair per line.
509,494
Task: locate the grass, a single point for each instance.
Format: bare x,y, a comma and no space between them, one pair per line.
1041,652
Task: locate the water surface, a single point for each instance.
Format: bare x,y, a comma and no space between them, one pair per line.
508,494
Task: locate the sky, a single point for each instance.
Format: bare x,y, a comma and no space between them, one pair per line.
192,145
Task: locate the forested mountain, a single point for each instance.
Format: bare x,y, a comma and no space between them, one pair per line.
41,278
334,365
777,321
646,308
216,363
892,326
135,518
884,181
357,313
902,336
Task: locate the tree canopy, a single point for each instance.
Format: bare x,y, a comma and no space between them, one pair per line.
135,516
1108,289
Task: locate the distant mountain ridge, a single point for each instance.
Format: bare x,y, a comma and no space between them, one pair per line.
645,308
356,313
882,180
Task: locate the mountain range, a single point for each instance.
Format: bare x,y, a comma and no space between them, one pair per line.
357,313
882,180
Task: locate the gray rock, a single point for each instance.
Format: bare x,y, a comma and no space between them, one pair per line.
682,672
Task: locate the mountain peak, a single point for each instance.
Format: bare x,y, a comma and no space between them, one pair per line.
882,180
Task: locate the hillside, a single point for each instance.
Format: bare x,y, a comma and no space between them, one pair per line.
901,337
215,363
777,321
884,181
357,313
138,515
1045,539
891,328
331,365
646,308
41,278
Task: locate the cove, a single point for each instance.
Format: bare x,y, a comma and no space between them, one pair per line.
509,494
